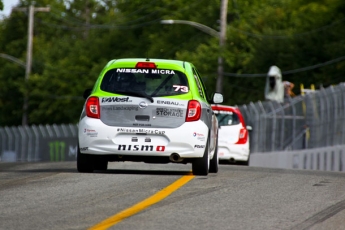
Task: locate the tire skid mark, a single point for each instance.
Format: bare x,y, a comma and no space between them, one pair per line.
24,180
321,216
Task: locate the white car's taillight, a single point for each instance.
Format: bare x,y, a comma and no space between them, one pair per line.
92,107
193,111
242,137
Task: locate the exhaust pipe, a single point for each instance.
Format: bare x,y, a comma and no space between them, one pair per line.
232,161
175,158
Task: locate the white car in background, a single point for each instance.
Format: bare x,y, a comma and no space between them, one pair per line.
233,137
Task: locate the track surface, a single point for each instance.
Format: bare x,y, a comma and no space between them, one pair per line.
56,196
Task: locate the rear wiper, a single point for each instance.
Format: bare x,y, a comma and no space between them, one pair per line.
162,84
222,119
138,94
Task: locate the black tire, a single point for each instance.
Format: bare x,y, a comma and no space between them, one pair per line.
214,163
100,163
84,162
200,166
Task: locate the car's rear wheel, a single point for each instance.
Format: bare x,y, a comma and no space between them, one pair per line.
214,163
84,162
200,166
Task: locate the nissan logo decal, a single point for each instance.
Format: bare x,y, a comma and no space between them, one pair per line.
142,105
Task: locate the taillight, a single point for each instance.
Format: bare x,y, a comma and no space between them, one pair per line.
242,137
193,111
92,107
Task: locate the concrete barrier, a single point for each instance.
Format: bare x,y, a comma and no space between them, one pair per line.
327,159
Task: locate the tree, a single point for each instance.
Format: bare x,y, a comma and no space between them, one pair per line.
12,75
74,41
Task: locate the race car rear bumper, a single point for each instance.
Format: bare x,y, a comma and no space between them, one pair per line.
234,152
96,138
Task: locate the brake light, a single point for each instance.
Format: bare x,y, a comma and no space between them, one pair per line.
146,65
193,111
242,137
92,108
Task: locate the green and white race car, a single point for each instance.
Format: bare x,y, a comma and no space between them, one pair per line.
148,110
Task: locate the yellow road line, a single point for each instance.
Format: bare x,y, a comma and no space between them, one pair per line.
105,224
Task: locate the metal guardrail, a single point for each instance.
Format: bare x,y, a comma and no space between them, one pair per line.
314,120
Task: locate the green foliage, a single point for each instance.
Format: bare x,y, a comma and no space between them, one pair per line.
75,39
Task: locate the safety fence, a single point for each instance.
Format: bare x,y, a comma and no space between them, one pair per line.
38,143
312,120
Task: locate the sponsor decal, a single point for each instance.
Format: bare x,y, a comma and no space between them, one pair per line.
91,132
138,130
195,134
84,149
115,99
61,150
199,146
162,71
222,112
199,136
139,124
133,71
202,139
117,108
181,88
57,150
164,112
134,148
175,103
160,148
161,102
146,71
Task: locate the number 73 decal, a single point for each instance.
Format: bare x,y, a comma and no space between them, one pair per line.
181,88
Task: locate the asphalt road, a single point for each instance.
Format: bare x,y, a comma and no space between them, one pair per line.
56,196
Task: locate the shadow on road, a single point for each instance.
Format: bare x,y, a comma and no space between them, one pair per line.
145,172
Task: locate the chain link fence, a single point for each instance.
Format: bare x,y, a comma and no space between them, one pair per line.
313,120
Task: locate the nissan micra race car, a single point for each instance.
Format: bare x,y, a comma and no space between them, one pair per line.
153,111
233,136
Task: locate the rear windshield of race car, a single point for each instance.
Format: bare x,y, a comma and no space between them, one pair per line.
226,118
153,82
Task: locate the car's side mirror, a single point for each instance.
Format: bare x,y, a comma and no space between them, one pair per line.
87,93
217,98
